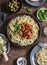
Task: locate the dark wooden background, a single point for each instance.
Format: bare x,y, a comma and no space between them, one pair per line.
16,52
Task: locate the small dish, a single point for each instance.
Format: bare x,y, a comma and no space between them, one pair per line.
37,48
42,14
2,17
35,3
21,61
5,7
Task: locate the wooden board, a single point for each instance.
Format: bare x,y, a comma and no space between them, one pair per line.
16,52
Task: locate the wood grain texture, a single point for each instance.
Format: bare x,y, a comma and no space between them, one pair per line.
16,52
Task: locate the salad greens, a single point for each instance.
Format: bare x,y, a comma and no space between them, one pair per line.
42,14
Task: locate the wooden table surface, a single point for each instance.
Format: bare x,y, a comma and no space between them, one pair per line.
16,52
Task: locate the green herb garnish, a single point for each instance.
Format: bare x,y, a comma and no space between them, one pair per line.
29,10
17,28
22,38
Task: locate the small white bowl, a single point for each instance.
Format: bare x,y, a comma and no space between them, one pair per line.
21,61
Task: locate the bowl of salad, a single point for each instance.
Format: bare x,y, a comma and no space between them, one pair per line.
42,14
4,47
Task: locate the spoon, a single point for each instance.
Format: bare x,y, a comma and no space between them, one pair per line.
4,53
